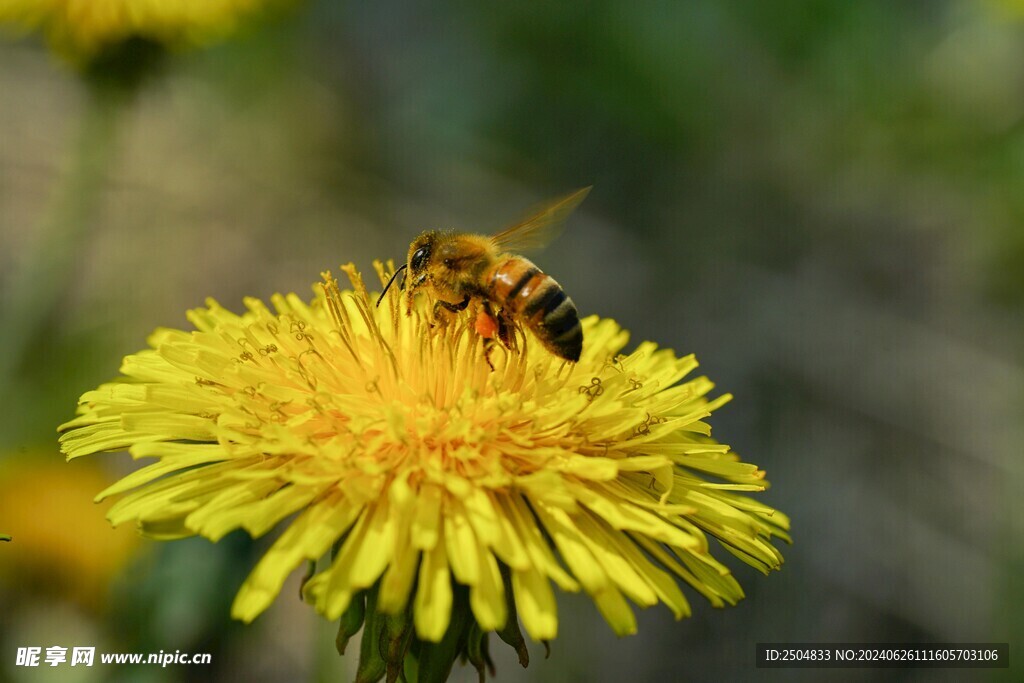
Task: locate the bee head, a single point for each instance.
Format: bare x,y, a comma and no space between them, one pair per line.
416,263
420,252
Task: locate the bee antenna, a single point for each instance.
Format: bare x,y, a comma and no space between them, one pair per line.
388,285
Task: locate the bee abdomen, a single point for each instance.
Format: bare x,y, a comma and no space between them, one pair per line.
541,304
559,328
510,277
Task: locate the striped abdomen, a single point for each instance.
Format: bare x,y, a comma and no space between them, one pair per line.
535,299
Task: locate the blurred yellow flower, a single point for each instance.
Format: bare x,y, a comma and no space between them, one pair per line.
61,546
430,472
81,29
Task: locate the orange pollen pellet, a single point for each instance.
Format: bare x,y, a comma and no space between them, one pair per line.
486,325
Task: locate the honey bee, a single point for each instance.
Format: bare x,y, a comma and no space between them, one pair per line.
459,268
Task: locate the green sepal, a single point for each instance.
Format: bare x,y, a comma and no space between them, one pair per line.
411,666
476,651
436,659
351,621
395,636
372,666
510,632
390,647
310,571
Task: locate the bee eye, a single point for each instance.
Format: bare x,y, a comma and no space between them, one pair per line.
419,258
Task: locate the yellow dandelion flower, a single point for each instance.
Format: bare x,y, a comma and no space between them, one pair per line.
82,29
449,492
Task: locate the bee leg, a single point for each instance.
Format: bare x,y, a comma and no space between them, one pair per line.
504,331
453,308
488,347
414,285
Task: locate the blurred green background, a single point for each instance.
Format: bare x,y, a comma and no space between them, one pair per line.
824,200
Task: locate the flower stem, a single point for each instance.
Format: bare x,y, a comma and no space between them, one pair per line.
41,275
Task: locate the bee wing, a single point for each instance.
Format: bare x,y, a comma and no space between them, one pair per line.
540,228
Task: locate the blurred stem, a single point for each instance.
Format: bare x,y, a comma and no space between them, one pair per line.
4,537
41,275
